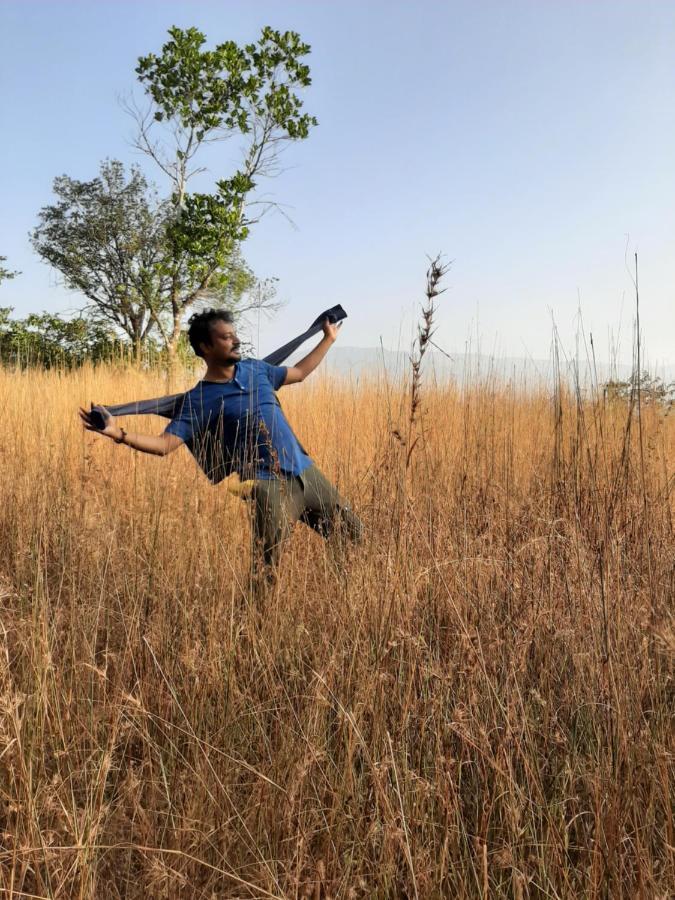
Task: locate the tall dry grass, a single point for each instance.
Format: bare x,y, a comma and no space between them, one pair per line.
478,703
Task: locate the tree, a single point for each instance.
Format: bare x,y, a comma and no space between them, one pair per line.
653,390
6,274
48,339
108,239
205,96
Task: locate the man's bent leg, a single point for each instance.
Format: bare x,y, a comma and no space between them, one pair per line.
326,511
277,503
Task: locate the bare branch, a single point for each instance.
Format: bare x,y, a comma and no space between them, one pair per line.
142,142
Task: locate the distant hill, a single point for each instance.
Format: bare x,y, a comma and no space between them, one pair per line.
371,362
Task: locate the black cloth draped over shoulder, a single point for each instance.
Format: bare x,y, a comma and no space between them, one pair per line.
170,406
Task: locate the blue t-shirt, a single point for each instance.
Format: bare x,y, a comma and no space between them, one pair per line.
239,426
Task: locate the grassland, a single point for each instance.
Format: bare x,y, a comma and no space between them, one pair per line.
478,703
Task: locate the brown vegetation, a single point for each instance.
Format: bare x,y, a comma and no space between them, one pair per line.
478,703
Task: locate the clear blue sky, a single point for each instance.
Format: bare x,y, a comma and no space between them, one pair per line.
528,141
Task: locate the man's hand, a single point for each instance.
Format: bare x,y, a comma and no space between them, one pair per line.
111,429
330,329
158,445
306,366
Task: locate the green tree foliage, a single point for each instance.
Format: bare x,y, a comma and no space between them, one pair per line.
653,390
143,261
205,96
6,274
108,239
50,340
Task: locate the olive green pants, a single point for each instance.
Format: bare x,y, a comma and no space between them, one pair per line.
310,498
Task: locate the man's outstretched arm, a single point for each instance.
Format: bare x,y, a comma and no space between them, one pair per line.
158,445
301,370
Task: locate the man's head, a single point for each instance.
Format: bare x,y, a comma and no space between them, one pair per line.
213,336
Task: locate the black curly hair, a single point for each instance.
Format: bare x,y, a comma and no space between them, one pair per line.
199,326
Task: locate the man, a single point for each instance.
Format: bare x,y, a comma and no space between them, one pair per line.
232,422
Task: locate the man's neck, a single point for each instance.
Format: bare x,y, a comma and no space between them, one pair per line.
222,373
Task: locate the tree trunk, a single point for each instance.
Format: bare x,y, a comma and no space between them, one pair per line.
171,343
172,348
135,332
138,349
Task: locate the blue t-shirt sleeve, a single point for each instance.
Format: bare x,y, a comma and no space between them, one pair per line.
183,424
275,374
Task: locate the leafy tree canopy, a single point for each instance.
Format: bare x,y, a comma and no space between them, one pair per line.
206,96
141,260
108,239
105,237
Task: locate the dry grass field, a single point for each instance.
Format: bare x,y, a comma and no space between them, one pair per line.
476,703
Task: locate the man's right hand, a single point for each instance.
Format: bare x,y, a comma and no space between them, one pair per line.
111,429
158,445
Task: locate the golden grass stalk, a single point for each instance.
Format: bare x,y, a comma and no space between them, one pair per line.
454,717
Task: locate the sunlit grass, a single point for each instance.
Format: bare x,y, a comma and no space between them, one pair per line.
478,705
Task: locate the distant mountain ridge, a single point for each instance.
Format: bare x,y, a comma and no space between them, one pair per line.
372,362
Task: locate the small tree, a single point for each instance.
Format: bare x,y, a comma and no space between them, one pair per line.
653,390
205,96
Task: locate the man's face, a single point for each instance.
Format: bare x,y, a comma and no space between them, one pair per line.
224,346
